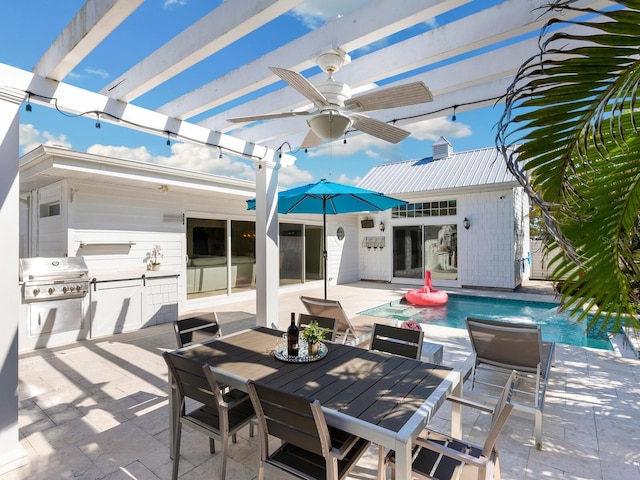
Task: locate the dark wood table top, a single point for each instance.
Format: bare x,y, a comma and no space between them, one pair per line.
373,387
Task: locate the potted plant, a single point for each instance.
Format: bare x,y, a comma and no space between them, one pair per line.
313,334
156,253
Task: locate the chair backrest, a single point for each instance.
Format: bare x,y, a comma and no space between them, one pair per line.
331,309
196,329
501,413
291,418
193,380
323,322
508,345
396,340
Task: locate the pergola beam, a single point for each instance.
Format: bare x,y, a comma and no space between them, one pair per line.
495,24
218,29
79,101
359,28
90,26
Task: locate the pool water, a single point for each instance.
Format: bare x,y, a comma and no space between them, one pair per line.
554,325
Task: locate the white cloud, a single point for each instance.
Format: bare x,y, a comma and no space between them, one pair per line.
99,72
140,154
314,13
171,3
346,180
30,138
437,127
201,159
292,176
370,146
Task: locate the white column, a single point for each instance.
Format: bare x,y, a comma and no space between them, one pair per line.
267,239
12,455
267,248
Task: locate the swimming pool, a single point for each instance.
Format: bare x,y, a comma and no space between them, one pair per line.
555,326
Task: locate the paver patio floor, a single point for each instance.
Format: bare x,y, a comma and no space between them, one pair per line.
98,409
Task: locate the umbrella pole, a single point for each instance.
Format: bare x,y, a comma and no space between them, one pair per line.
324,244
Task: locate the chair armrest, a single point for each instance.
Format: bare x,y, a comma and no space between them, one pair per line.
235,402
470,403
347,445
451,453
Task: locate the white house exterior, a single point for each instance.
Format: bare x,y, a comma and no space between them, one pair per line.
113,212
443,191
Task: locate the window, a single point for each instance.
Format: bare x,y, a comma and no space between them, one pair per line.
50,209
426,209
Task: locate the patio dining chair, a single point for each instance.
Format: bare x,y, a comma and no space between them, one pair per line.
397,340
197,329
310,448
323,322
217,415
346,333
442,457
505,346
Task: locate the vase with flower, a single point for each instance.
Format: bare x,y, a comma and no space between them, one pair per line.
156,253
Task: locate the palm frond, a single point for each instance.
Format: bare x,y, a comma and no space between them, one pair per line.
572,111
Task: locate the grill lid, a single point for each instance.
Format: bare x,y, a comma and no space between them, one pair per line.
46,269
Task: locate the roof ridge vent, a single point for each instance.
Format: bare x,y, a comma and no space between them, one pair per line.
442,149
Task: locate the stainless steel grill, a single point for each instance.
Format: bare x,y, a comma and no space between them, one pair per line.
53,290
53,278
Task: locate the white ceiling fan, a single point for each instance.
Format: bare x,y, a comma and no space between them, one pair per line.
336,110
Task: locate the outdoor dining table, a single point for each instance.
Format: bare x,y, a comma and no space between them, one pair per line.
381,397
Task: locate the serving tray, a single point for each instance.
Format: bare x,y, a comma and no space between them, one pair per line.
280,353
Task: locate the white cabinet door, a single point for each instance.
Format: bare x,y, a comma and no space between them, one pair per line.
116,307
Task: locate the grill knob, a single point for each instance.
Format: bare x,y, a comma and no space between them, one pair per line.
36,291
78,288
51,290
64,289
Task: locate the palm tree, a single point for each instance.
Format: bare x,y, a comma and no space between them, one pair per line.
572,112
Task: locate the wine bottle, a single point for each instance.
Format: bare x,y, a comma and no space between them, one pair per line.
292,337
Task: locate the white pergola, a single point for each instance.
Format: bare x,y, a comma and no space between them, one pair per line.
478,55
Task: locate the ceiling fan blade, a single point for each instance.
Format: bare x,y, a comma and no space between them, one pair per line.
379,129
400,96
311,140
266,116
302,85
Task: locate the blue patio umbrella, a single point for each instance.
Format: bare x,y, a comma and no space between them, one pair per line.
330,198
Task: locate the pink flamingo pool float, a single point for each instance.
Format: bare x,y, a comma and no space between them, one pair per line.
427,295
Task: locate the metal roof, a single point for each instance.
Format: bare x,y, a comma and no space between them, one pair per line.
480,168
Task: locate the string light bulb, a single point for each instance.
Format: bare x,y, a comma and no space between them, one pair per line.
453,119
98,120
219,152
28,105
168,140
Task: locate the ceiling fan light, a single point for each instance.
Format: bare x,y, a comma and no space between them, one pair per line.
329,125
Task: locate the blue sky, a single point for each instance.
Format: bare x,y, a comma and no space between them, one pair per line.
28,27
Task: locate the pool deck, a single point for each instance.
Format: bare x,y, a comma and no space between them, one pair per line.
98,409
